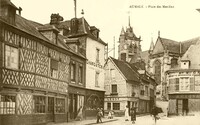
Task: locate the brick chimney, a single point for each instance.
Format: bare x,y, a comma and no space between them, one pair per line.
55,19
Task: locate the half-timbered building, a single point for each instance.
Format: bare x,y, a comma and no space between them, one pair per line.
36,71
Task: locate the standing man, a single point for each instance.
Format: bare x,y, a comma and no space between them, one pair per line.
154,112
99,115
133,114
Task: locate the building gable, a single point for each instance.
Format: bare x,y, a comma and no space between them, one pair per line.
158,48
192,55
110,65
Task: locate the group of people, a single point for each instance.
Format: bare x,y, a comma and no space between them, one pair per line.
154,112
132,113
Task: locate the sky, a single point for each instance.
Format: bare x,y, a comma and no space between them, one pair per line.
179,22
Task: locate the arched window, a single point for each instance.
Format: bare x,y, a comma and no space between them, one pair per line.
157,69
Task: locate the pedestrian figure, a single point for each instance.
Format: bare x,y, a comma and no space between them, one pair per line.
99,115
102,112
110,114
154,112
79,117
126,113
133,115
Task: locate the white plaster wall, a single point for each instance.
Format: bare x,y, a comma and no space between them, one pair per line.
91,46
118,79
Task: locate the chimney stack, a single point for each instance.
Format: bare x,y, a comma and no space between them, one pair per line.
20,10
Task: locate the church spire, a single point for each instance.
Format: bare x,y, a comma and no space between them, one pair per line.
122,31
151,46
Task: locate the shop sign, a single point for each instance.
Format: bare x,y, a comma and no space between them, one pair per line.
112,99
95,64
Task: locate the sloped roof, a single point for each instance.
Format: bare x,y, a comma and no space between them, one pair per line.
186,44
83,29
129,34
145,56
126,69
178,47
171,45
31,28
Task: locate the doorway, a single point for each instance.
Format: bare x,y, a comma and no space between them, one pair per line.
50,114
182,106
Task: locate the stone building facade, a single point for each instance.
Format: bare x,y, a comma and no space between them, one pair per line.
129,48
165,55
183,84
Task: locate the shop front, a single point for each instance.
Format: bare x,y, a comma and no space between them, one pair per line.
183,104
76,101
94,100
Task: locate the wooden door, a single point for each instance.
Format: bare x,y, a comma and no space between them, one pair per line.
179,106
50,113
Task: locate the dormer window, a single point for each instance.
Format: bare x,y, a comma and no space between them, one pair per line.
74,25
50,32
8,11
94,31
185,64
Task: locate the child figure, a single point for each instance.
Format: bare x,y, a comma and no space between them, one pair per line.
110,115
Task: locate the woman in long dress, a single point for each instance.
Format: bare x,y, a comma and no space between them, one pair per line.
126,114
80,114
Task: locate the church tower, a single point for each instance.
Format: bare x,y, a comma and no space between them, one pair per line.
129,48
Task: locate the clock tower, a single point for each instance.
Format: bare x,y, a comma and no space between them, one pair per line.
129,45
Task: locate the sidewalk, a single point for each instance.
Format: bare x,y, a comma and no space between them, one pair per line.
90,121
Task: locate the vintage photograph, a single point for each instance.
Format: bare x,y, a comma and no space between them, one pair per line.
108,62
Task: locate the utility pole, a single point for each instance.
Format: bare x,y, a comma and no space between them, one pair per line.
114,47
75,8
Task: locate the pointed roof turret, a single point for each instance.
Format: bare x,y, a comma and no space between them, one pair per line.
151,45
159,33
122,31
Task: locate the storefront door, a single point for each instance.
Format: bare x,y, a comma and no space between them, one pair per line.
185,106
50,115
179,106
72,105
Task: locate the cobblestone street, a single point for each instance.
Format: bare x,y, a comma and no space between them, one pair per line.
143,120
